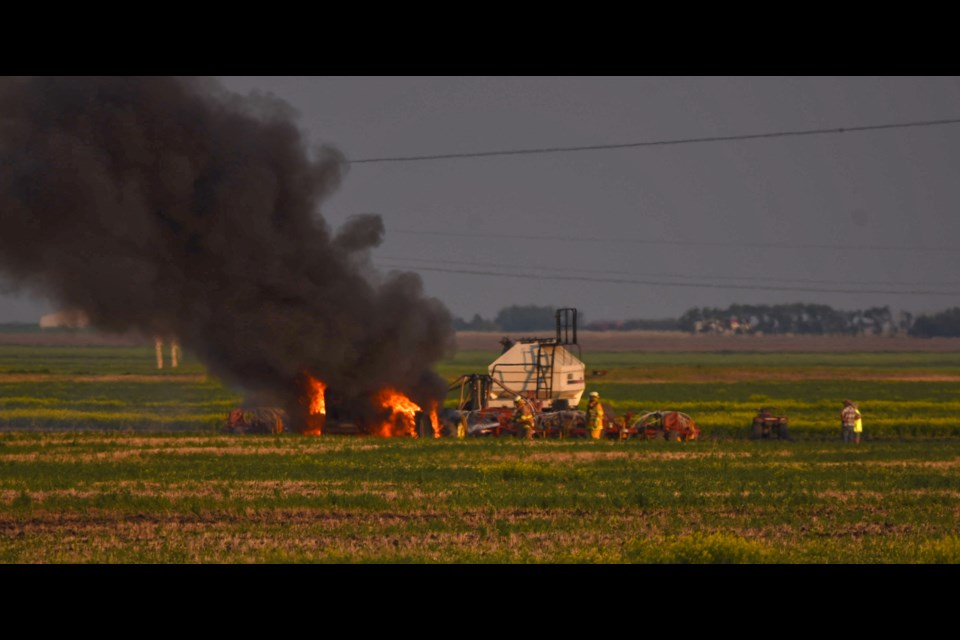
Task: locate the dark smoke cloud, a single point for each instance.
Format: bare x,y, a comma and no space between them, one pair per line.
170,206
360,232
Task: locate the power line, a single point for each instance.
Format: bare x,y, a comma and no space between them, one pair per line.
661,143
681,243
404,263
684,284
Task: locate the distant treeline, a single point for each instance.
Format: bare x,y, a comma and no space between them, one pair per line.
944,324
797,318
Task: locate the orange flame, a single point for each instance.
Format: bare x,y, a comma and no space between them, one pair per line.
318,403
403,415
434,421
317,406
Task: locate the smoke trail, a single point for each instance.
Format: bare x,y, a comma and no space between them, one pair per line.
173,207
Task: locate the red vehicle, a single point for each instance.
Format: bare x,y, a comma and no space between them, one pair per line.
768,424
669,425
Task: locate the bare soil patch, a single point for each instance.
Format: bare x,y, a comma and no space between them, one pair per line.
667,341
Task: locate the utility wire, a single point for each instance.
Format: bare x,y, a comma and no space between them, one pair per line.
404,263
681,243
661,143
685,284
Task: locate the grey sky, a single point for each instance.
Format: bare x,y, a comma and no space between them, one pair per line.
887,201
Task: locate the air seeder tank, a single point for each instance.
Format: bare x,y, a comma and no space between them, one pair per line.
544,369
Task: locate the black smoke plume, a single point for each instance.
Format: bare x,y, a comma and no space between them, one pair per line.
170,206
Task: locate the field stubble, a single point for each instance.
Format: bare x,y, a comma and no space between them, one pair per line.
104,459
135,498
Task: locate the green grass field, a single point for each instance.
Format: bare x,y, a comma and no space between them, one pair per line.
901,395
105,498
104,459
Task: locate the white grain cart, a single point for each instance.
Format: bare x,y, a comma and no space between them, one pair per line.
541,369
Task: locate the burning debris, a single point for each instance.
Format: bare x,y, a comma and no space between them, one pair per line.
258,420
404,416
172,207
313,399
399,417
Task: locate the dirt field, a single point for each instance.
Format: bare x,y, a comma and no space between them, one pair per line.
667,341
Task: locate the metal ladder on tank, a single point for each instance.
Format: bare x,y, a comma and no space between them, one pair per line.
544,370
566,335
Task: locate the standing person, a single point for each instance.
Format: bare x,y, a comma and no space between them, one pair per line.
851,421
523,419
858,425
594,415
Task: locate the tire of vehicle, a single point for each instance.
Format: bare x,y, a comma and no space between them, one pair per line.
756,431
782,433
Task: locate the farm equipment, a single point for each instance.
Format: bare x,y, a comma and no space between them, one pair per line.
544,373
668,425
498,421
767,424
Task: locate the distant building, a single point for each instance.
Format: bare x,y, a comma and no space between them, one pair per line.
69,319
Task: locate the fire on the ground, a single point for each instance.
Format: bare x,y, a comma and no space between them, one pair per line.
399,416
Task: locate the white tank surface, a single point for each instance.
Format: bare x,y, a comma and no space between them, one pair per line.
537,369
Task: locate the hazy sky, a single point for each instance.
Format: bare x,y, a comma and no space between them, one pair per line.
644,232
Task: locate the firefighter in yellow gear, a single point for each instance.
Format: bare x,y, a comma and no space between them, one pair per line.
523,419
595,415
851,421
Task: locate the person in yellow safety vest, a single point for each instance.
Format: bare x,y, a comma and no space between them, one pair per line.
595,415
523,419
852,422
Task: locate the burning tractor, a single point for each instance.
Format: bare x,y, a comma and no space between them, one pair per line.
667,425
391,414
544,372
767,424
